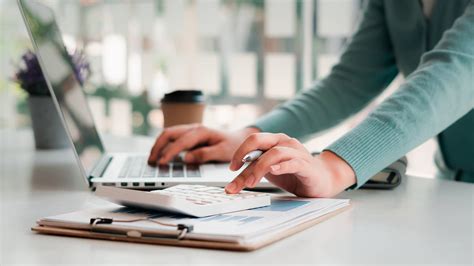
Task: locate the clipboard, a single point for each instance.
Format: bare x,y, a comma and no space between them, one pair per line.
172,239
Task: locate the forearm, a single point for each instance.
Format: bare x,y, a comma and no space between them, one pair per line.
437,94
366,67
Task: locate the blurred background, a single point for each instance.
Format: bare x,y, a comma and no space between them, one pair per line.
246,55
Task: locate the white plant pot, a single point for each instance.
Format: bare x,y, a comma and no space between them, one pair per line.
49,132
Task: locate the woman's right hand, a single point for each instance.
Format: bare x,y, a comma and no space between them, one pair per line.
201,144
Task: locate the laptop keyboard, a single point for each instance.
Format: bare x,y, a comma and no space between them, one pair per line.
137,167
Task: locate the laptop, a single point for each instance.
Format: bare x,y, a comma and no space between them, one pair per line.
128,170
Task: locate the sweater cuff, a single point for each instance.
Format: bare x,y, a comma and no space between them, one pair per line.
368,148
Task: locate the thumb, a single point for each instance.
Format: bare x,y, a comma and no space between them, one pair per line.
205,154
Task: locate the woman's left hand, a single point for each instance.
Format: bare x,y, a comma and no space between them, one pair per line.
288,164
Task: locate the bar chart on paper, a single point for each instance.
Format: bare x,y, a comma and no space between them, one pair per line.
277,205
241,219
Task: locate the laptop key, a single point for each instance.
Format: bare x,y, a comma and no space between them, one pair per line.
192,170
136,169
125,168
150,171
178,170
135,172
164,171
123,172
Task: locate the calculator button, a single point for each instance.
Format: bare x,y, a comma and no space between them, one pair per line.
200,196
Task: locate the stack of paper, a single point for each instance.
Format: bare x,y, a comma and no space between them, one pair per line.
243,228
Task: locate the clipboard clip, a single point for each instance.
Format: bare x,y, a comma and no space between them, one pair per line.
99,220
182,228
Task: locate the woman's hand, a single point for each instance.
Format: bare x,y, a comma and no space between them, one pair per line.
201,143
287,164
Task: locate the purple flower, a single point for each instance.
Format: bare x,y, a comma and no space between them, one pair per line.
81,66
30,76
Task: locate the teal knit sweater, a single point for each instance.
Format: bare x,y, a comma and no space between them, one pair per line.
435,55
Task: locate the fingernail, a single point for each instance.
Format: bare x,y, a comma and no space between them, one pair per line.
275,167
249,181
231,187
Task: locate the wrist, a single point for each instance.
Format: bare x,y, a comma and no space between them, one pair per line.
342,174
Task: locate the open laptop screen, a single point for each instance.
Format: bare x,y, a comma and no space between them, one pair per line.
60,73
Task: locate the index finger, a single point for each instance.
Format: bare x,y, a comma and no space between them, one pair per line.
166,136
257,141
185,141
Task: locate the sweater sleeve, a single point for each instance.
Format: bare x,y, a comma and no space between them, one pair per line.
435,95
366,67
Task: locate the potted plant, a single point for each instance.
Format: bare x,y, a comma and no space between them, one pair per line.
48,130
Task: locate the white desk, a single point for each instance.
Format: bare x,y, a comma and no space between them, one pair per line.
423,221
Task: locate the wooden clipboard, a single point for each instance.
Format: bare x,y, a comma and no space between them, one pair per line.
187,243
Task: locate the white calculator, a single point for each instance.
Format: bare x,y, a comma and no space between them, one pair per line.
193,200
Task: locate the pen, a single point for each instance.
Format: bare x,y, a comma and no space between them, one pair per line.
252,156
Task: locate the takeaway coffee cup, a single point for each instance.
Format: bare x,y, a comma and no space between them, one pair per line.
183,107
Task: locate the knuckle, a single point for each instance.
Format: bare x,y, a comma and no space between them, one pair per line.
277,151
253,137
297,162
283,136
201,155
181,141
240,180
199,127
261,166
284,166
247,172
170,146
208,154
196,154
165,133
293,141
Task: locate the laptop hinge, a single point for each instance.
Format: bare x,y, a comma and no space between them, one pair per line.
101,167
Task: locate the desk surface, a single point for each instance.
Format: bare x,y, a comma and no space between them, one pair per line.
422,221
